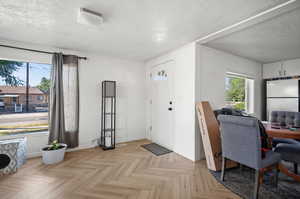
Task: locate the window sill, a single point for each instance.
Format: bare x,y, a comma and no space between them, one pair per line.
33,134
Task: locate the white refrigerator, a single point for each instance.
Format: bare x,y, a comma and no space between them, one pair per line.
282,95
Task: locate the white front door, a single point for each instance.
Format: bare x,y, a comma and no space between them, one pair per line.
162,105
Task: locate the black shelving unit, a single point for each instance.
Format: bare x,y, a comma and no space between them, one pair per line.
108,115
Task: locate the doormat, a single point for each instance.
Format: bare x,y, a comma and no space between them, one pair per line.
156,149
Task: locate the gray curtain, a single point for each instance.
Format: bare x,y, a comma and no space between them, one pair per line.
64,100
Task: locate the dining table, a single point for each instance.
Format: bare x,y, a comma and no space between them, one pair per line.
283,132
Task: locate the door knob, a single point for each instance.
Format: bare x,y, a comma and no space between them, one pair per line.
170,109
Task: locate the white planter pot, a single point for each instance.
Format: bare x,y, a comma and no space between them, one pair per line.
54,156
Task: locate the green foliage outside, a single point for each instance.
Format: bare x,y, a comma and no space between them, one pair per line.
235,92
7,68
44,86
239,106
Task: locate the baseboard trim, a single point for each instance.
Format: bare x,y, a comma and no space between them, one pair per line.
81,147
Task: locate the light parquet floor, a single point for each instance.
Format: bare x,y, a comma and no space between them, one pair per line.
129,171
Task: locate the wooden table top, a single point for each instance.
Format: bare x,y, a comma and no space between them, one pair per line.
282,132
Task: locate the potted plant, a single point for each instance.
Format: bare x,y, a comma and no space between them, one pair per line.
54,152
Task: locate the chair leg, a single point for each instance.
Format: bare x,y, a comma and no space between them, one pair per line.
295,168
276,175
223,168
256,184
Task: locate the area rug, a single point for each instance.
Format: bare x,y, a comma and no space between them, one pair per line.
156,149
242,183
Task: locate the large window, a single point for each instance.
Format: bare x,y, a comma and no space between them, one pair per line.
239,92
24,95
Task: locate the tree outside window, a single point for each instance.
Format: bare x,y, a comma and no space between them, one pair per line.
7,69
236,92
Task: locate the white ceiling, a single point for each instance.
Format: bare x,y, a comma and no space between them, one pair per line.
274,40
131,27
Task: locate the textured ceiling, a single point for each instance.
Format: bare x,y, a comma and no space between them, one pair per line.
133,29
273,40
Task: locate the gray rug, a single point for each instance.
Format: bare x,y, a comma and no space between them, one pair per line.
242,183
156,149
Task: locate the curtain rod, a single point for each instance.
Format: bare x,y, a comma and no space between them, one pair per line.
32,50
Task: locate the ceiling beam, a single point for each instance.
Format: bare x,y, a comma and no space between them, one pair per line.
251,21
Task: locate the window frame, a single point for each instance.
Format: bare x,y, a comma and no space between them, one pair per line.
30,98
249,90
14,100
40,97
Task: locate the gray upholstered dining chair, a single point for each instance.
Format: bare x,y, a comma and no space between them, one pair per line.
241,143
285,118
290,153
288,148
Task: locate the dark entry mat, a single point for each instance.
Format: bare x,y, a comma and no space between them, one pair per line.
156,149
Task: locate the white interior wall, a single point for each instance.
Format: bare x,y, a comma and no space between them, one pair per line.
184,97
212,66
130,77
199,151
199,75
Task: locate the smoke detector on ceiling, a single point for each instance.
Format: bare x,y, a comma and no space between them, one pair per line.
89,17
